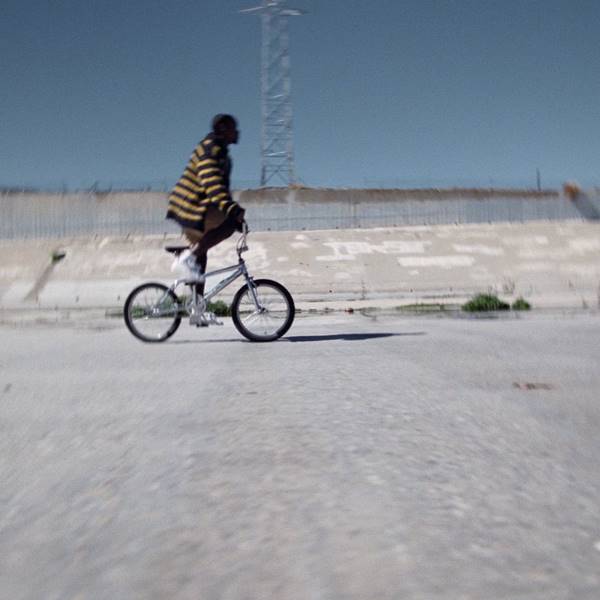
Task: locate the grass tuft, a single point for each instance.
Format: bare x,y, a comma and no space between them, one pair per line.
521,304
484,303
57,255
220,308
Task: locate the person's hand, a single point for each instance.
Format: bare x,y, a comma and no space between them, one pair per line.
240,220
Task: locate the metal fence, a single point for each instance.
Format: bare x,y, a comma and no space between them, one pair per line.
38,215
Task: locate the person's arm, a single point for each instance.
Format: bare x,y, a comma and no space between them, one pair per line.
211,178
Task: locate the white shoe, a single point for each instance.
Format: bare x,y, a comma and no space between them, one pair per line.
204,319
186,263
178,264
211,319
198,319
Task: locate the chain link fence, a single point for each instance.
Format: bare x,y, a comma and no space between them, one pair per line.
26,215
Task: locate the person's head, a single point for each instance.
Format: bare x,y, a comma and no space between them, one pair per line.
225,128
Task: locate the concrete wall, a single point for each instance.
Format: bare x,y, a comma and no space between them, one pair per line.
550,263
32,215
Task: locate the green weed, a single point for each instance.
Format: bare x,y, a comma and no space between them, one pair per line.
57,256
484,303
220,308
521,304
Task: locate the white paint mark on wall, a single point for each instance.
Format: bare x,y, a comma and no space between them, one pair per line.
350,250
444,262
402,247
465,234
525,241
299,273
413,272
15,272
548,254
299,245
344,250
479,249
301,237
223,255
480,274
579,270
283,259
583,245
536,267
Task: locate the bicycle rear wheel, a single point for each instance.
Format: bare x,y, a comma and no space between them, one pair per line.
152,312
270,319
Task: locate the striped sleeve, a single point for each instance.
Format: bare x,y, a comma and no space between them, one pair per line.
211,179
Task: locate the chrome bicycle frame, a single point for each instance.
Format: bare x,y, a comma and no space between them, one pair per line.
239,270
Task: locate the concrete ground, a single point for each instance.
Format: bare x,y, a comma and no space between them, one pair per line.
357,458
551,264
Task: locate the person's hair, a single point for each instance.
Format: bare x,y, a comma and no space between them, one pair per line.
222,120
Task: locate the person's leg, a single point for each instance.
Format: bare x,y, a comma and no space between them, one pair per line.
217,227
193,238
213,237
209,240
202,260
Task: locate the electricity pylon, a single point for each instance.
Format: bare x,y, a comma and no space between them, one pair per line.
277,148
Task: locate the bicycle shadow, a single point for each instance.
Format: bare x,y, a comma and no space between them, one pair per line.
346,337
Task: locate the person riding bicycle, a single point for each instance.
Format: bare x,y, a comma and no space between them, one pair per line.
201,201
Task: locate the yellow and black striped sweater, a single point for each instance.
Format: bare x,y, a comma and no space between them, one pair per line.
204,182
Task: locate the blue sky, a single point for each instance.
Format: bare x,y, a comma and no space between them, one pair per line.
385,92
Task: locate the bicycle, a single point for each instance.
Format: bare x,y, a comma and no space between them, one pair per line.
262,310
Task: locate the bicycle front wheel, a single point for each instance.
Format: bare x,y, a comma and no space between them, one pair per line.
267,316
152,312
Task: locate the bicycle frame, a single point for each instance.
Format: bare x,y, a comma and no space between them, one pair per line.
239,270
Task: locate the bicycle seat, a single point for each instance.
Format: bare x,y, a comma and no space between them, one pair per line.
176,250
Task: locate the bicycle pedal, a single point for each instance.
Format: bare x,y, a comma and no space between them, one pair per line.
198,320
211,319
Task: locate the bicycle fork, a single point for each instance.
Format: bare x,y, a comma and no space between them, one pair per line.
252,288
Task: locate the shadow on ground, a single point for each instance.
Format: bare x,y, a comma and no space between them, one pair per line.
348,337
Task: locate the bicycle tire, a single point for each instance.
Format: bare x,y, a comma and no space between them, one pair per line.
139,312
279,305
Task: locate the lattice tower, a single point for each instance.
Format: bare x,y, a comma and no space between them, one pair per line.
277,148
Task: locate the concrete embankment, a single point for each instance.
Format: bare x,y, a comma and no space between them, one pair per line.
551,264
